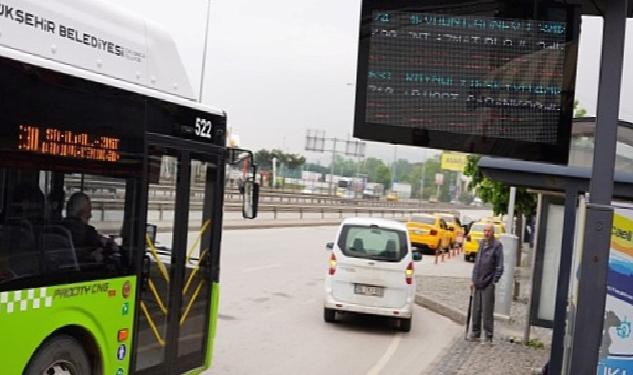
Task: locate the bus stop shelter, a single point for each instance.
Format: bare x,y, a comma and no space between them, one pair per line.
568,182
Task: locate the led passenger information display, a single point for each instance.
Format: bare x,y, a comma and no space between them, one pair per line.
67,143
484,79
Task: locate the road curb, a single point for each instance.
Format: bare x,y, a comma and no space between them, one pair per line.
453,314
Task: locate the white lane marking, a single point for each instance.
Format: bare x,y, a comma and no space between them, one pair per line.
386,357
253,269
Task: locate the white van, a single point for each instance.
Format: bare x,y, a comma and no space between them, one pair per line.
371,271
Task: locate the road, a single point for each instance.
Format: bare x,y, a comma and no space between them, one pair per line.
271,312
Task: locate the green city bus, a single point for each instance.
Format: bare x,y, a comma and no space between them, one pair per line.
111,206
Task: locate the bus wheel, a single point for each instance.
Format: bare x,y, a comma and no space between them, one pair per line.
60,355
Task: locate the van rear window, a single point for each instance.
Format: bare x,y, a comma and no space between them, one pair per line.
373,243
423,219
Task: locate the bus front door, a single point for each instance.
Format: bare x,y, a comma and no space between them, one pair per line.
184,210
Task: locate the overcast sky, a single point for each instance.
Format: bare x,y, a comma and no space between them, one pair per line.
281,67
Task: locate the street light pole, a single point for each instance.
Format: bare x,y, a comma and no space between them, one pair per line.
204,52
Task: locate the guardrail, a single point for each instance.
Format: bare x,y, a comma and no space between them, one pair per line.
301,211
116,190
104,210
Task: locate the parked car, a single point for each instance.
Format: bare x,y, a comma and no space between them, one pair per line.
476,233
370,271
428,232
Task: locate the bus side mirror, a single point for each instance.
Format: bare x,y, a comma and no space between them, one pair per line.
329,246
250,200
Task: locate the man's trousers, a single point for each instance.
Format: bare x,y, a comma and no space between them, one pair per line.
484,307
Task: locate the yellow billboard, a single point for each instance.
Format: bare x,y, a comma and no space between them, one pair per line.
454,161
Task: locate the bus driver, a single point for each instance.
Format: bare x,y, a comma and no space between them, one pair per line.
90,246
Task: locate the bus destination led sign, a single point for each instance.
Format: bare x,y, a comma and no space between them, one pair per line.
66,143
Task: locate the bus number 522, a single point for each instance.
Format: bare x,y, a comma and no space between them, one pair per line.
203,128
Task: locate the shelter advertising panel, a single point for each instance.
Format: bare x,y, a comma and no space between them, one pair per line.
500,82
616,352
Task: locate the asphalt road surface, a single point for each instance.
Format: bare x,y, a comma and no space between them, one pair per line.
271,314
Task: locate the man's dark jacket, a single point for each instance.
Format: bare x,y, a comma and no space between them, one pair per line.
488,266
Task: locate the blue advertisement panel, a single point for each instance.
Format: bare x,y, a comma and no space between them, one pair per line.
616,352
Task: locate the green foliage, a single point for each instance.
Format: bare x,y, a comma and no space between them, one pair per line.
534,343
497,193
264,159
578,110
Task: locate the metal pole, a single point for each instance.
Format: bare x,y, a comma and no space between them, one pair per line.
510,218
274,173
528,320
595,255
422,181
562,288
393,170
332,166
204,52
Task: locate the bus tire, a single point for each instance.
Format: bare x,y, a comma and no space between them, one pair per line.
60,354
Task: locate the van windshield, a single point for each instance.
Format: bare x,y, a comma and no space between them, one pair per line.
373,243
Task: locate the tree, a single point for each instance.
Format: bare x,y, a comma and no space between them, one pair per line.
264,159
497,193
579,111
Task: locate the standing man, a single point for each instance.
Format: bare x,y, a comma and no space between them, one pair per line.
487,271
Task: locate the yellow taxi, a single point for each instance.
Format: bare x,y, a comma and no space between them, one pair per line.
392,196
428,231
455,229
476,233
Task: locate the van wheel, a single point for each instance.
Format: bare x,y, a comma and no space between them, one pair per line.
329,315
61,355
405,325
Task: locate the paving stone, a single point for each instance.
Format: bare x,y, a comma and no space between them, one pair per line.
449,296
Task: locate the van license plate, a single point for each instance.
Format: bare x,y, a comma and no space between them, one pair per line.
368,290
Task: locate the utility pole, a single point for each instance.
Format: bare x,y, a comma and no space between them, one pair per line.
393,170
422,181
274,173
331,187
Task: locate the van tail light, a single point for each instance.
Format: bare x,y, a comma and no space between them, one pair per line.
332,268
433,232
408,273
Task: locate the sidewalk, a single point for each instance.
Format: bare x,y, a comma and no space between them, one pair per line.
444,289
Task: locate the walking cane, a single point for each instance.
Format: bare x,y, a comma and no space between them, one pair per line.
470,308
